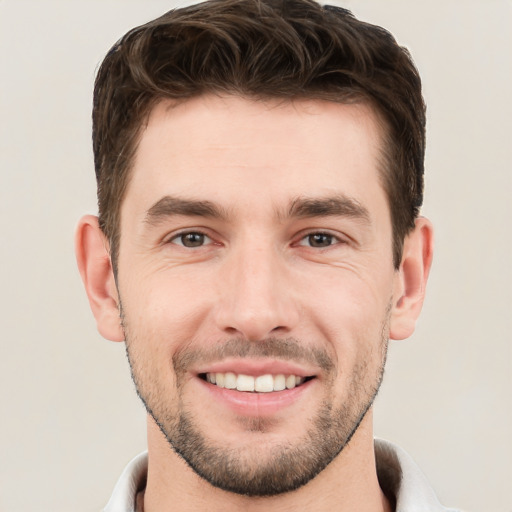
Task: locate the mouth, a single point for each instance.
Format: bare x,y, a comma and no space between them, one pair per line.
256,388
265,383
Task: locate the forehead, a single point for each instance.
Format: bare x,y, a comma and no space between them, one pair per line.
230,149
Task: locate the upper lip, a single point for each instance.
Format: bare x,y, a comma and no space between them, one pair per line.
257,367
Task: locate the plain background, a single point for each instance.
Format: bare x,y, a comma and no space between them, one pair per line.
70,419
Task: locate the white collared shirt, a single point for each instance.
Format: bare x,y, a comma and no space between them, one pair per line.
398,475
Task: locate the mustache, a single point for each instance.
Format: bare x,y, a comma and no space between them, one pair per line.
287,349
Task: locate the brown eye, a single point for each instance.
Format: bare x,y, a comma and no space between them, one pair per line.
191,239
320,240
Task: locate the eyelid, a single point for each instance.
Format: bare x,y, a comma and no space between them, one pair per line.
339,239
171,238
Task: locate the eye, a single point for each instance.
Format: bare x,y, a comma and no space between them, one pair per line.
319,240
191,239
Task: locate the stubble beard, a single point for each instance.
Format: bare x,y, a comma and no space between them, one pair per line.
250,471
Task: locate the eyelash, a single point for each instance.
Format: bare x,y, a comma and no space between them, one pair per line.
183,234
333,239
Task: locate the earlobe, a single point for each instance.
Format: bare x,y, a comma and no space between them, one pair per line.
411,279
95,268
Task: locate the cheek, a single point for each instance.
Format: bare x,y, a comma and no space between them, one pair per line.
345,298
349,310
165,302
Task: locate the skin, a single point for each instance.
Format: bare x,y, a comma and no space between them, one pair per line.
257,273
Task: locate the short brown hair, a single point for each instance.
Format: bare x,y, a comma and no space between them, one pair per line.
288,49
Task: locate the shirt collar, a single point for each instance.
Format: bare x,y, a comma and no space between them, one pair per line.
399,477
131,481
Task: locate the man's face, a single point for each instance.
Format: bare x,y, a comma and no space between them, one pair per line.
256,252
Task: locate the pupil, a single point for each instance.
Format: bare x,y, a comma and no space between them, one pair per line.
192,239
320,240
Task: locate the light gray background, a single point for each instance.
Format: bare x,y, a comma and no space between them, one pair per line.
70,419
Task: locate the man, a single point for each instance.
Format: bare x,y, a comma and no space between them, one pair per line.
260,174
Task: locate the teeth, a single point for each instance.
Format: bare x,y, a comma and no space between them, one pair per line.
261,384
290,382
245,383
264,383
230,380
279,382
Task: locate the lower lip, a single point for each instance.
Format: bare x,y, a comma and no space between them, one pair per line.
257,404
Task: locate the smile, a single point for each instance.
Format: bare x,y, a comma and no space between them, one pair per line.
266,383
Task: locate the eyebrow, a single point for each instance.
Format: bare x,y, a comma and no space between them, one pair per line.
300,207
338,205
168,206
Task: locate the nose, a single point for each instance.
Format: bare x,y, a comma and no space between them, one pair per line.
257,297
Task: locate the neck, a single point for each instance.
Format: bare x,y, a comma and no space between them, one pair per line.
348,483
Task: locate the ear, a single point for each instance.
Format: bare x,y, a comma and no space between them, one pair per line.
411,279
95,266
